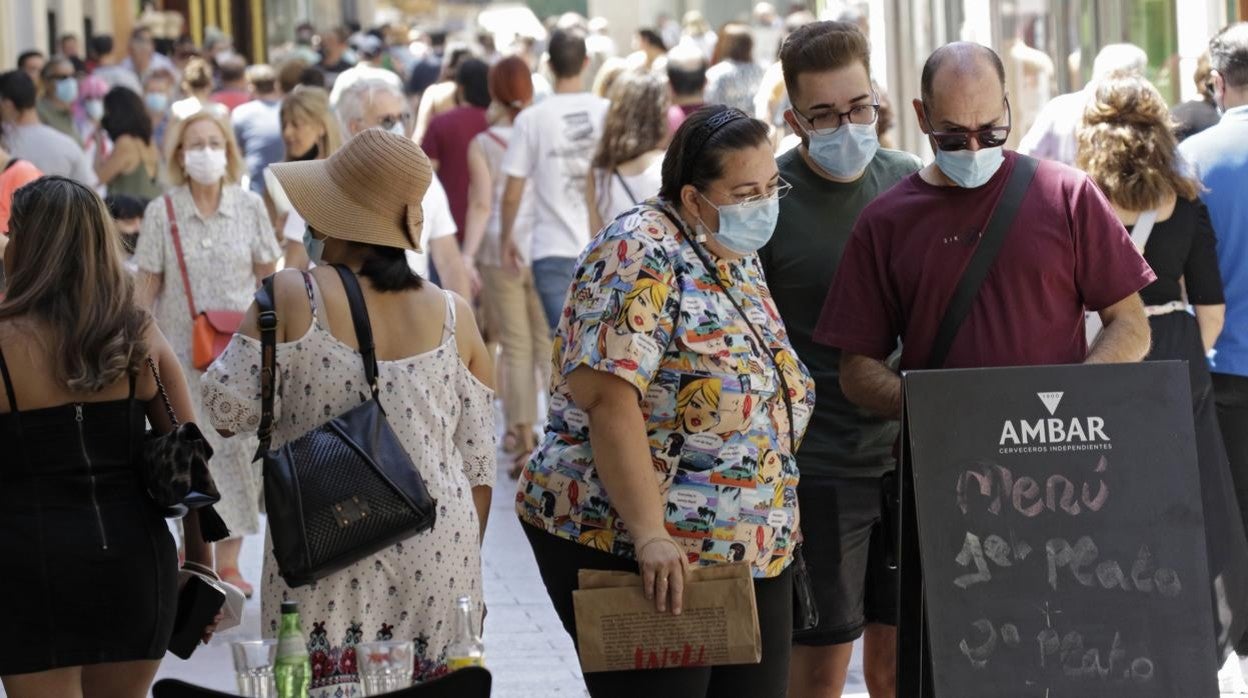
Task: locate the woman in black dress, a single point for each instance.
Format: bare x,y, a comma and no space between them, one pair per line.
1127,145
89,575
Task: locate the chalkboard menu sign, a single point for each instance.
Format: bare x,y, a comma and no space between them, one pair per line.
1061,533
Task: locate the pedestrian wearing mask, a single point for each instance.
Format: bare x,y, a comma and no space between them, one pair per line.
627,167
133,166
309,132
1067,252
157,88
211,235
60,92
25,137
837,170
88,114
668,305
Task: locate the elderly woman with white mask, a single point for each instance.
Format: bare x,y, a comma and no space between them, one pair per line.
209,237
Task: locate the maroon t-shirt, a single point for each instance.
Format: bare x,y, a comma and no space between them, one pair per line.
447,141
1066,251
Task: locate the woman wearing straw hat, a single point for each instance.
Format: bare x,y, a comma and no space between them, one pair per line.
210,235
363,211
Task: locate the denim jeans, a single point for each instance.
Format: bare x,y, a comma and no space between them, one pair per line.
552,276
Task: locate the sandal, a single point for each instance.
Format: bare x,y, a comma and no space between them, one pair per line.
231,575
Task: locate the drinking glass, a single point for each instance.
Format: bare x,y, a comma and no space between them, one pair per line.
384,666
253,667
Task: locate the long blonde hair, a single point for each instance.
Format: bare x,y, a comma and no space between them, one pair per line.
67,271
309,103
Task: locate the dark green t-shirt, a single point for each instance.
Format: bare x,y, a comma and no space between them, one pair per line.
816,219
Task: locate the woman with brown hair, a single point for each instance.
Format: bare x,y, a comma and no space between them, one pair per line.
733,78
626,170
90,570
309,132
211,236
513,312
1128,146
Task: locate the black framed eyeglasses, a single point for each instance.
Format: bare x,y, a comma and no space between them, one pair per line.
828,120
991,137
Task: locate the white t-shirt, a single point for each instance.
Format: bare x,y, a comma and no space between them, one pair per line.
614,197
438,224
551,146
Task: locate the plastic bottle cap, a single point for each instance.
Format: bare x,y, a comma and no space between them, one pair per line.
290,607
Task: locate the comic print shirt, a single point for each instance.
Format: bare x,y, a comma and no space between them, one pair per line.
644,307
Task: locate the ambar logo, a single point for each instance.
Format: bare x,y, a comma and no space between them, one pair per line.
1053,433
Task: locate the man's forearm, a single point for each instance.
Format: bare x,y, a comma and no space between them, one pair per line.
871,385
1125,339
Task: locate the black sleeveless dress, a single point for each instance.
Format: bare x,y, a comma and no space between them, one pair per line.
88,569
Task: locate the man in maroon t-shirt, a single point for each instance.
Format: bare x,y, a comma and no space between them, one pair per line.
447,139
1066,252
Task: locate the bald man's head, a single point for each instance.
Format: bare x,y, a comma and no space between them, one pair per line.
960,62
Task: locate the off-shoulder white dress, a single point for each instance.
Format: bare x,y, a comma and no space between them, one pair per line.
444,417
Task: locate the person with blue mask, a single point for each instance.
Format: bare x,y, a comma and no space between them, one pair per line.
837,170
1065,253
60,91
677,398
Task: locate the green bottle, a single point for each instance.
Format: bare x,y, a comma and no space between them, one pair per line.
293,671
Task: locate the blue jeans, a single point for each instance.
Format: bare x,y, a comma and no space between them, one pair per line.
551,277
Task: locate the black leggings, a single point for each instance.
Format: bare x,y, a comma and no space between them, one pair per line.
559,560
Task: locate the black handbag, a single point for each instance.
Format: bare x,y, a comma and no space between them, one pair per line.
346,489
175,470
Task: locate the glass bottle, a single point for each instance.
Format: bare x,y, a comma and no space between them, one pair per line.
294,670
466,648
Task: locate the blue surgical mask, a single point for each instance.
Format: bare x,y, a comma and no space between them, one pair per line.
745,229
156,101
67,90
94,109
970,169
315,247
845,152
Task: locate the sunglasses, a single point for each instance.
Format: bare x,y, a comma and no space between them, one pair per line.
991,137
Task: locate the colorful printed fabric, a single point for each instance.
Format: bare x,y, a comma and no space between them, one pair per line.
643,307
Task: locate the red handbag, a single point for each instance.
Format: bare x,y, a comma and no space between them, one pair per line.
212,329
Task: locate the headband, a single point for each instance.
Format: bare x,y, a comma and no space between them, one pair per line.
709,128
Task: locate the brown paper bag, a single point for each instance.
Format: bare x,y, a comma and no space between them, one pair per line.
617,628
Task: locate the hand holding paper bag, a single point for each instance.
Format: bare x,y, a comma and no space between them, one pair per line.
618,627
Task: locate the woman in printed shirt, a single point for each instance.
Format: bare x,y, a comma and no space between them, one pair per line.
678,405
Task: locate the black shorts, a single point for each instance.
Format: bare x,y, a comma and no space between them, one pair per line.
844,543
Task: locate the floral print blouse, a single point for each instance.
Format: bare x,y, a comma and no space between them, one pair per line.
645,308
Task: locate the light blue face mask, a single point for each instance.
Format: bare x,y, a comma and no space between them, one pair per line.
156,101
67,90
846,151
745,229
970,169
315,247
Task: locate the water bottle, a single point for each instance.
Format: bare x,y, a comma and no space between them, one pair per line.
293,671
466,648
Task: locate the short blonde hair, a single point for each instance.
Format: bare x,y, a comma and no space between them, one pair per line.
233,157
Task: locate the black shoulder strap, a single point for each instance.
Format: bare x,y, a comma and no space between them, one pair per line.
11,162
8,384
627,190
363,328
267,320
999,224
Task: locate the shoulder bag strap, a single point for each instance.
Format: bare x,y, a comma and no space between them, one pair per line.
363,328
1143,229
999,224
620,178
489,133
267,321
177,248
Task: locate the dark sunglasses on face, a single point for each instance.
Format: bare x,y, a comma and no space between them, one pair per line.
991,137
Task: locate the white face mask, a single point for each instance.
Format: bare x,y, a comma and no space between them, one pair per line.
205,165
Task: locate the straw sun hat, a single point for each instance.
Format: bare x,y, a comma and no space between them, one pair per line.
368,191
